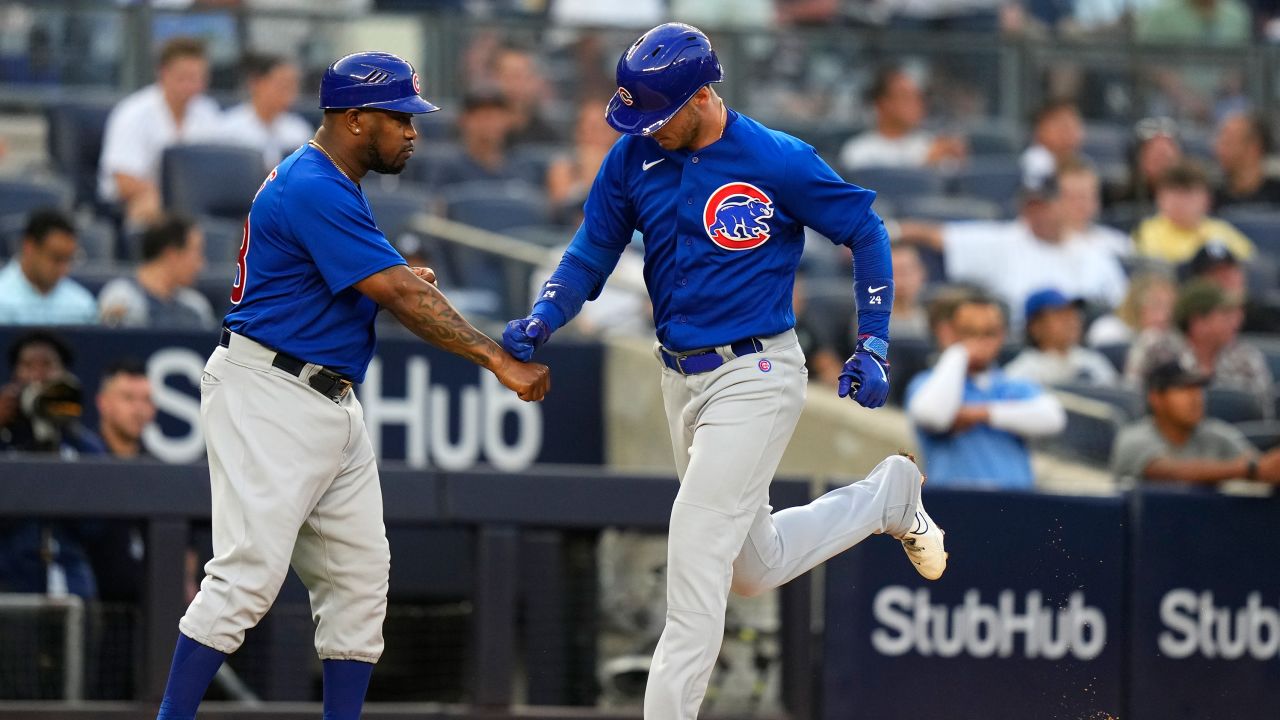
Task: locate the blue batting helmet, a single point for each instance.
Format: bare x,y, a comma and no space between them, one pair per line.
377,80
658,75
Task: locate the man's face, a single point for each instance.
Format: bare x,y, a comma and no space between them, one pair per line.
1186,207
1156,156
1057,329
487,125
517,78
908,273
1234,144
45,263
277,90
1217,328
1230,277
1182,407
981,328
902,104
37,363
683,127
390,137
125,406
188,260
1044,217
1078,195
184,78
1062,132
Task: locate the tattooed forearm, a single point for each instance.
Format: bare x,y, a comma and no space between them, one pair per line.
430,316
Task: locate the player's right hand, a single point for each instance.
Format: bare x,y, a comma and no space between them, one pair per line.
530,381
521,337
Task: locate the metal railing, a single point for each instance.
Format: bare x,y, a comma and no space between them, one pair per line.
764,66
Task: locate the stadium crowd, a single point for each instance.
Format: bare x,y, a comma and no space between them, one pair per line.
1136,269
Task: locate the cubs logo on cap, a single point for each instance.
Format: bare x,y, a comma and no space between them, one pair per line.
417,84
735,216
625,97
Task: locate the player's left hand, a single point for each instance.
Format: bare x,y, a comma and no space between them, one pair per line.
426,273
865,377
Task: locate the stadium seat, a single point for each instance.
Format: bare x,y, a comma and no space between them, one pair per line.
1262,227
1128,402
1234,406
908,358
1264,434
21,197
1117,353
97,240
896,184
75,144
394,210
994,139
947,208
1105,144
495,206
995,179
1088,437
548,236
216,180
222,239
529,162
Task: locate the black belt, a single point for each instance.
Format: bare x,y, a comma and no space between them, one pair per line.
707,360
324,381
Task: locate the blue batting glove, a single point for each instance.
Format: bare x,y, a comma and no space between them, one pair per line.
865,377
521,337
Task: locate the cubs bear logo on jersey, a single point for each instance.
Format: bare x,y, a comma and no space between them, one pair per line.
735,216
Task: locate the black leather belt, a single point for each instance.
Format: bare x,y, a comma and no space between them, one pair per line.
707,360
324,381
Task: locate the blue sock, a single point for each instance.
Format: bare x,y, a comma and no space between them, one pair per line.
345,683
194,666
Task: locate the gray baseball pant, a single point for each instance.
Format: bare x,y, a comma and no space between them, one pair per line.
729,428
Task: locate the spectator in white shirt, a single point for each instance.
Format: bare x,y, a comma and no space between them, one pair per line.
34,287
170,111
1057,137
159,295
1053,355
897,140
264,121
1081,194
1015,258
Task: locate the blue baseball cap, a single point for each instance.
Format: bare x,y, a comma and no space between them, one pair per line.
659,74
375,80
1048,299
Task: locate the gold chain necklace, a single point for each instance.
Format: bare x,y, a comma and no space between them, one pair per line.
316,145
724,118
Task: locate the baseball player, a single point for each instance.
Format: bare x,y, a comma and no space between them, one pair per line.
722,202
291,467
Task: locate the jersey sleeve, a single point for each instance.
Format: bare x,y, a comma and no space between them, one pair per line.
335,226
821,199
609,218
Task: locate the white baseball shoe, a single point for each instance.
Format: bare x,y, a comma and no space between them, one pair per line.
923,542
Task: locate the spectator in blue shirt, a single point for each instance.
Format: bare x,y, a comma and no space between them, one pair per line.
973,421
34,287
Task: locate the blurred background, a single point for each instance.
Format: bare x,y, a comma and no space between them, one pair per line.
1084,199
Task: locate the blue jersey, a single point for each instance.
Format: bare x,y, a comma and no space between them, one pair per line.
982,456
724,229
309,237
